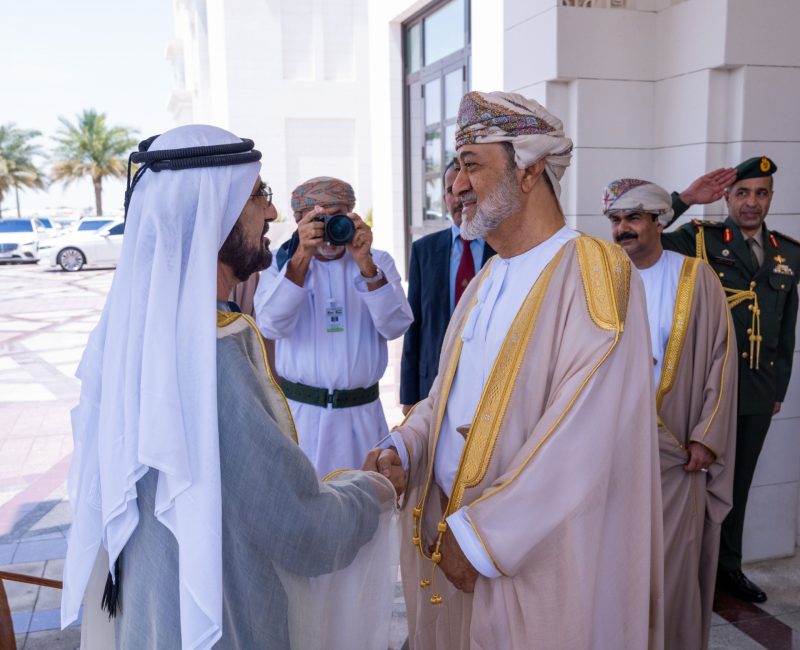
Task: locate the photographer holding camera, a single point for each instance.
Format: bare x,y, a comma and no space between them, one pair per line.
331,302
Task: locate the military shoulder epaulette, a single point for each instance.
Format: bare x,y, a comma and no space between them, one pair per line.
785,237
707,223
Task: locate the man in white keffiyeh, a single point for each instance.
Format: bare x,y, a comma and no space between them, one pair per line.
186,469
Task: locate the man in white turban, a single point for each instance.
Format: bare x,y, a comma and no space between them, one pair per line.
532,479
186,469
694,368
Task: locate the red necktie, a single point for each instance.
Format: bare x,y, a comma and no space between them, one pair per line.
466,269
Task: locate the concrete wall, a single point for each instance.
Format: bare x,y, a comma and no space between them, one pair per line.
290,74
666,91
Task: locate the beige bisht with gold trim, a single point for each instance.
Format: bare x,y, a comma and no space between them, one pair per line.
559,475
696,402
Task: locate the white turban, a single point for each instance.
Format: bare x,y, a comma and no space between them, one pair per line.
149,384
634,195
534,132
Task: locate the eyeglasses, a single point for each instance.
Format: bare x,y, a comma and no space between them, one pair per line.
265,191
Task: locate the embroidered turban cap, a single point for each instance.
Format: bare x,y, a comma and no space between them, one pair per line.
635,195
534,132
324,191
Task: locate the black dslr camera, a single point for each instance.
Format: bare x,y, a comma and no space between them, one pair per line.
339,228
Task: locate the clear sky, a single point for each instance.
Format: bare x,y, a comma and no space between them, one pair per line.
58,57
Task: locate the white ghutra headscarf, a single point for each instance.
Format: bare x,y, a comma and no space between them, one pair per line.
149,384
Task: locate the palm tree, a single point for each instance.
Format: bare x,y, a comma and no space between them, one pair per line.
17,167
90,147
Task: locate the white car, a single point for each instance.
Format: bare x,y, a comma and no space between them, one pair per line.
72,251
20,238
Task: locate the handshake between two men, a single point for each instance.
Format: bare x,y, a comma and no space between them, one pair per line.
453,563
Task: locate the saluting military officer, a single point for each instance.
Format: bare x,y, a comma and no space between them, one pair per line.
759,270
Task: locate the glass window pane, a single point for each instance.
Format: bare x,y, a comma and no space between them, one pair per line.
433,198
433,102
444,31
449,143
453,92
433,150
413,49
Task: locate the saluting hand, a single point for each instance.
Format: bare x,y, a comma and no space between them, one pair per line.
709,187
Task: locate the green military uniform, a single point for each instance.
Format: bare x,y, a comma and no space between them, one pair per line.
763,300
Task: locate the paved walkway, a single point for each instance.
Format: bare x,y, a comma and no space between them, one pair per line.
45,318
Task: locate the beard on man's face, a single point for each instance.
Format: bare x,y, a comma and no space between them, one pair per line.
492,210
243,257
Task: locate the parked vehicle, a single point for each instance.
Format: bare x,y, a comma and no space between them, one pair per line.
99,246
19,239
91,224
53,227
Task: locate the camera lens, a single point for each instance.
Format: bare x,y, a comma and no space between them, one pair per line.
339,229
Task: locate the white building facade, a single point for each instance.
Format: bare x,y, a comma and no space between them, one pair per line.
658,89
292,75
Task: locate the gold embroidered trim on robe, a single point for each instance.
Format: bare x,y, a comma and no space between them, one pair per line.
612,289
489,415
684,298
447,382
335,473
226,319
681,316
485,547
606,273
721,383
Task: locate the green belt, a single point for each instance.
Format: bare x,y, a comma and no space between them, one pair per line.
338,399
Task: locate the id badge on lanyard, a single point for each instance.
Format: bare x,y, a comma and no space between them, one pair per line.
334,317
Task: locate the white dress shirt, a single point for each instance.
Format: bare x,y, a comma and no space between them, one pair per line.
660,288
298,319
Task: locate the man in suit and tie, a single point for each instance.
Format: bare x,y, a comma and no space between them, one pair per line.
442,265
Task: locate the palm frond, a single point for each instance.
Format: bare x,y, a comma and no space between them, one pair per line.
90,147
18,150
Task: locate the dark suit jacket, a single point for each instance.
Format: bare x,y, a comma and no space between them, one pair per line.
429,296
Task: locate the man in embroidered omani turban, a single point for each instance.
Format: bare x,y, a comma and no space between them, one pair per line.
694,368
331,304
533,512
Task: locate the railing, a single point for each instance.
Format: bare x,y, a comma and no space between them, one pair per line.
7,640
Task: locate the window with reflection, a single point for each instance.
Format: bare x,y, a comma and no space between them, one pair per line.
436,60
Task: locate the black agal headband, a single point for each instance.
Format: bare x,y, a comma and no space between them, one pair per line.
215,155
